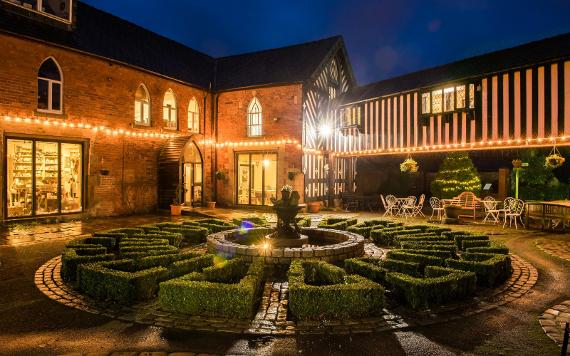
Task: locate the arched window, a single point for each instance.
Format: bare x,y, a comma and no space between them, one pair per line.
169,114
50,87
142,106
254,118
193,116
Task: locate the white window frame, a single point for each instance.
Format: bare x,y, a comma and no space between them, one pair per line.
142,104
426,103
193,116
39,7
254,129
50,82
171,111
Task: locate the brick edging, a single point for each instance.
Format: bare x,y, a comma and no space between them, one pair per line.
271,318
553,320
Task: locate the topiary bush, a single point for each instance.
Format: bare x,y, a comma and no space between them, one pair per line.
439,285
77,254
230,290
456,174
491,269
320,290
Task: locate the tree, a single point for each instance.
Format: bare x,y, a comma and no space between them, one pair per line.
536,182
456,174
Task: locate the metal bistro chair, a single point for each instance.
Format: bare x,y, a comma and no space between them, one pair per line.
408,207
436,207
390,205
419,206
516,208
491,211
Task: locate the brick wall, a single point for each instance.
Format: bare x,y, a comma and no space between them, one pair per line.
282,119
98,92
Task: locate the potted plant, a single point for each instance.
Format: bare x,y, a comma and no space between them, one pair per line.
176,206
314,206
211,205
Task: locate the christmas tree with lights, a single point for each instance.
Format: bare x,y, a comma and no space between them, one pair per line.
456,175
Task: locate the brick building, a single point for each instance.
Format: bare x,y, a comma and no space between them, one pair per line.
101,117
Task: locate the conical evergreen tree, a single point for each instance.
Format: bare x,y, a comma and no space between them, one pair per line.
456,174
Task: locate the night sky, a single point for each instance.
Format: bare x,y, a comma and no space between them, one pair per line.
384,38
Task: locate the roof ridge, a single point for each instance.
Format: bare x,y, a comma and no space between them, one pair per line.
465,59
280,48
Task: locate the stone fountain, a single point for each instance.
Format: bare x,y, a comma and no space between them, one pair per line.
287,233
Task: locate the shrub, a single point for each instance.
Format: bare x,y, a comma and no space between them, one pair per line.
494,249
459,239
129,231
427,252
174,239
465,244
422,260
355,297
251,220
108,242
439,286
73,257
366,267
361,229
491,269
150,228
195,294
341,225
377,222
118,236
384,236
190,234
304,221
411,268
427,245
127,281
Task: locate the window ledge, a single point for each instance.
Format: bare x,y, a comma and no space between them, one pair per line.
141,126
50,113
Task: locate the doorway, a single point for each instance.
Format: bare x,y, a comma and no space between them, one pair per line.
192,174
256,178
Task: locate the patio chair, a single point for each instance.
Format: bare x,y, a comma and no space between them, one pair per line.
491,211
436,207
514,213
390,205
419,206
408,207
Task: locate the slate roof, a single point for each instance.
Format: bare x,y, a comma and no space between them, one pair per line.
289,64
105,35
536,52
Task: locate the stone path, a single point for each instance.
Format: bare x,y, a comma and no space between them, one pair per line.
137,353
271,318
556,248
554,319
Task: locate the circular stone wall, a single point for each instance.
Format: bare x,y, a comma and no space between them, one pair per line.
331,245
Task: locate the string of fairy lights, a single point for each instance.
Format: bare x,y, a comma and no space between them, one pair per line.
480,145
85,126
145,133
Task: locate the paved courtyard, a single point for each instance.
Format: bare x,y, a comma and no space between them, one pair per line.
32,323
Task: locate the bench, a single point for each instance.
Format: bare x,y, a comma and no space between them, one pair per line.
466,201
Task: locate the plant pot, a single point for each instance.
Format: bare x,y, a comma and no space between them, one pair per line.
175,210
452,211
314,206
211,205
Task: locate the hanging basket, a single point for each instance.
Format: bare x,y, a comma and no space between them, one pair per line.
517,163
554,159
409,166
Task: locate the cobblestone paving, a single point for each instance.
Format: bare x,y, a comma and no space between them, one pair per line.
556,248
137,353
554,319
271,318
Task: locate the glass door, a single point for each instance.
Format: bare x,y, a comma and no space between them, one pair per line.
43,177
256,178
192,183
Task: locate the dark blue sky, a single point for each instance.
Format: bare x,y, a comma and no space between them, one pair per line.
384,38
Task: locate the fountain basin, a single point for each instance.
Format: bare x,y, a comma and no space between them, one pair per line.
323,244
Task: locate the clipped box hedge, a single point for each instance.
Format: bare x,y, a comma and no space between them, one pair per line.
491,269
251,221
368,267
174,239
191,234
304,221
127,281
427,252
76,255
460,238
494,249
422,260
341,225
231,290
439,285
361,229
465,244
427,245
384,236
320,290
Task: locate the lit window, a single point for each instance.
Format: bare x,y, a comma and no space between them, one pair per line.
436,97
448,99
169,114
471,96
57,9
254,117
426,105
352,117
460,92
193,116
142,106
50,92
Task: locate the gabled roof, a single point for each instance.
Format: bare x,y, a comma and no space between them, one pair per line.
291,64
531,53
102,34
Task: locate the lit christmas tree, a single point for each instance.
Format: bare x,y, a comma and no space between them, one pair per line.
456,174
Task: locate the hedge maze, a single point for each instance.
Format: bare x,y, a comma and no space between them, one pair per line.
425,266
